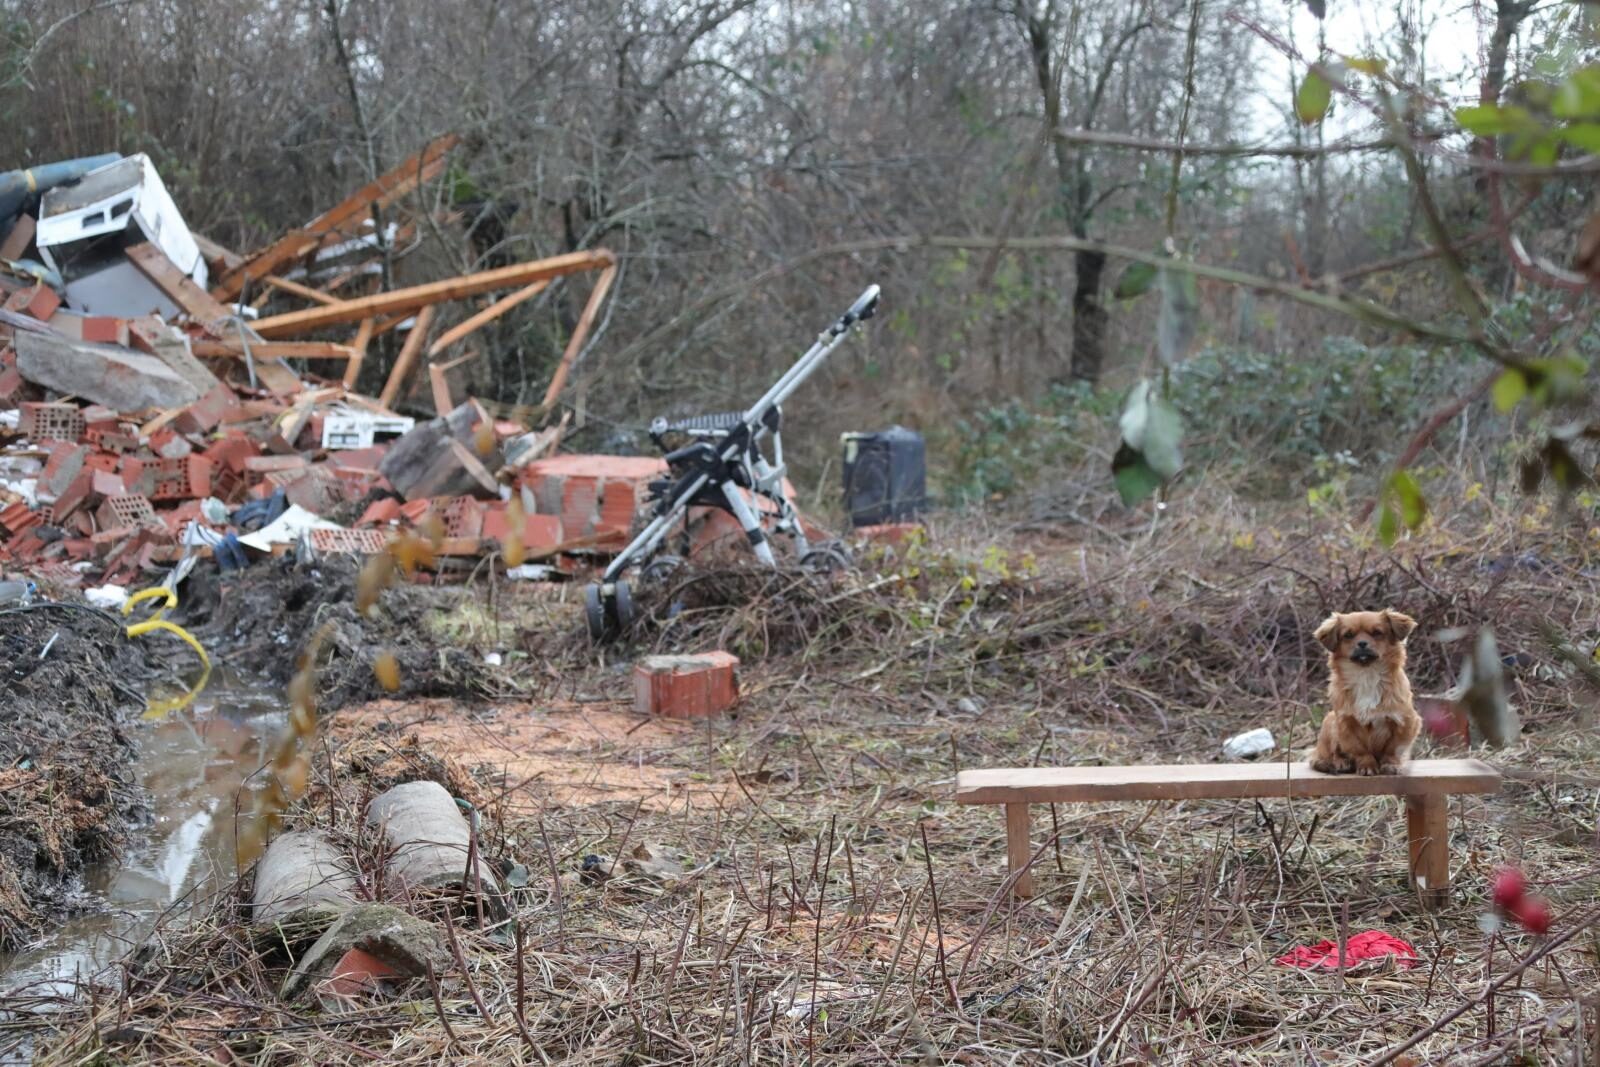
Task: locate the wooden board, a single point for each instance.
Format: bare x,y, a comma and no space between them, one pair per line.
580,334
406,361
178,286
1182,781
265,350
424,166
421,296
486,316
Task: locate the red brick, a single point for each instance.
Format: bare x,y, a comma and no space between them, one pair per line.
14,518
102,461
78,548
64,464
105,330
232,452
51,422
126,512
136,475
415,510
267,464
356,542
365,459
112,438
357,973
685,687
540,533
182,478
12,386
463,517
380,512
204,414
39,301
317,490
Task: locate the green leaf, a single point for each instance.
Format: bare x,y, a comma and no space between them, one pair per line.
1311,103
1135,415
1163,437
1585,135
1388,526
1368,65
1135,281
1179,316
1509,389
1135,480
1487,120
1413,508
1579,96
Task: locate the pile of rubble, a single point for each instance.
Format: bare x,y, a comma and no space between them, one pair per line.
163,398
156,401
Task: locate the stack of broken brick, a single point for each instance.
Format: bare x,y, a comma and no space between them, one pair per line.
153,384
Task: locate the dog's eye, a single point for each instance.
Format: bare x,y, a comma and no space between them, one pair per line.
1348,634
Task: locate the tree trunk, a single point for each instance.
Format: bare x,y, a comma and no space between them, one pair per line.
1088,317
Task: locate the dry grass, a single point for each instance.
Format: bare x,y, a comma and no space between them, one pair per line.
837,908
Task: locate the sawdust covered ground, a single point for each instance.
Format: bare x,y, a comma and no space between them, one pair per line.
68,682
792,883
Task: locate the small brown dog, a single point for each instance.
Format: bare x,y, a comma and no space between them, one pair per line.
1371,724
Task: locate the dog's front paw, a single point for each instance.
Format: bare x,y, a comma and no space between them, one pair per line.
1388,768
1366,767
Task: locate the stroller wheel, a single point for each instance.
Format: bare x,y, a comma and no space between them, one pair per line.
660,569
827,558
594,612
622,606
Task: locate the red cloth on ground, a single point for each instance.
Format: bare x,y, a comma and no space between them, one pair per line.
1368,945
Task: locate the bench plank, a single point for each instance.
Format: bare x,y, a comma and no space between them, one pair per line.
1044,785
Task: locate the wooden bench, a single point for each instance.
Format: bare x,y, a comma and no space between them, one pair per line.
1426,785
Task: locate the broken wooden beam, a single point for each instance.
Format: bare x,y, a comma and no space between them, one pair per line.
316,296
268,350
393,389
363,338
486,316
579,335
419,296
424,166
177,286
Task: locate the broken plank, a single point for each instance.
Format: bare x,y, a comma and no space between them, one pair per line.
486,316
393,389
217,257
316,296
420,296
178,286
20,237
423,166
441,385
363,338
579,335
268,350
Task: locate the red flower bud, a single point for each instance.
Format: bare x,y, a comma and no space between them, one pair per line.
1510,888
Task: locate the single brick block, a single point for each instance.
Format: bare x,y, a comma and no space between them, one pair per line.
103,329
39,301
685,687
380,512
51,422
184,478
349,542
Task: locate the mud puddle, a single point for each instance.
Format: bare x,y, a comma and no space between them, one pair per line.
198,766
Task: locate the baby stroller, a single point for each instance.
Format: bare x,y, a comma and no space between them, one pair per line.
721,461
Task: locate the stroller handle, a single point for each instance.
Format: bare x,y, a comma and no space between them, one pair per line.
865,306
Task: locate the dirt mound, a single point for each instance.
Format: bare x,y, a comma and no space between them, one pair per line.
70,676
261,620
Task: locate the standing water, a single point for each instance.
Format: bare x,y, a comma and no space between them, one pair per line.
198,767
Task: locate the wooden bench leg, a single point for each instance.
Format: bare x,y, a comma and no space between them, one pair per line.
1019,849
1428,827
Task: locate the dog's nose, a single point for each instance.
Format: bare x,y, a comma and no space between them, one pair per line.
1362,643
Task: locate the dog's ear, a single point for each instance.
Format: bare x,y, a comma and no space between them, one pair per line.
1328,633
1400,624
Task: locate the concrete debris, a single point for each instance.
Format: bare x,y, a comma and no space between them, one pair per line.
119,378
429,842
406,944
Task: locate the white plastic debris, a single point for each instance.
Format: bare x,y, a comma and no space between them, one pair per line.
530,572
493,659
107,597
214,511
286,529
1249,745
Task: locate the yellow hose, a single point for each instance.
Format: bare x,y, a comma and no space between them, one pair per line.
156,622
162,708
